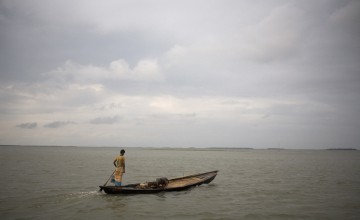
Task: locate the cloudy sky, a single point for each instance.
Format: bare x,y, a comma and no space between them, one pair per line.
180,73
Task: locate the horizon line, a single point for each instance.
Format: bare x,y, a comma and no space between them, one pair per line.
152,147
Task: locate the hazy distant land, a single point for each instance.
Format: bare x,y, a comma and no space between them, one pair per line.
187,148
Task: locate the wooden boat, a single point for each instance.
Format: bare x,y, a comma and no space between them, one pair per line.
162,184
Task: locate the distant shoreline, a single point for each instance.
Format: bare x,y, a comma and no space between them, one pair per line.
183,148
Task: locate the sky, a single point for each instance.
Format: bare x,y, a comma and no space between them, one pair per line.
180,73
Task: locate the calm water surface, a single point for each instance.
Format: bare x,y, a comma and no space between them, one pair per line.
62,183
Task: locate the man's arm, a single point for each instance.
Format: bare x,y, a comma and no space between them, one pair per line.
114,162
124,166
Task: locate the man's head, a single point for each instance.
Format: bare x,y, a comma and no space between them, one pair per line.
122,152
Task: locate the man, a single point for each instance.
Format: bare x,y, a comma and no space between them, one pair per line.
119,164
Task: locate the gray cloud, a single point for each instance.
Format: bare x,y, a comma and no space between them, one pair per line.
57,124
31,125
105,120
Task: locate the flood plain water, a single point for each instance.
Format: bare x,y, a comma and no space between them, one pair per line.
62,183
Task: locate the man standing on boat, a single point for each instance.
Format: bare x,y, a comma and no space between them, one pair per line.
119,164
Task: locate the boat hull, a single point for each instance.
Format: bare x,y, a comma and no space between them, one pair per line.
176,184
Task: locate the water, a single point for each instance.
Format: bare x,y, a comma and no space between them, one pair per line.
62,183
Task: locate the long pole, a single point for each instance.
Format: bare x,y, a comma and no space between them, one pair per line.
107,180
